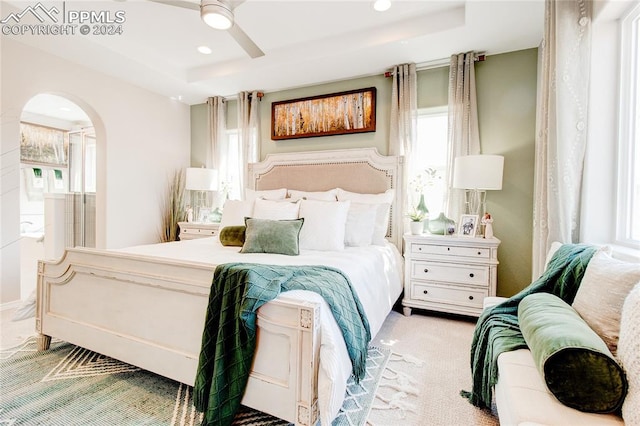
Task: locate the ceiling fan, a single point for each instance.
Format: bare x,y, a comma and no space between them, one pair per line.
219,15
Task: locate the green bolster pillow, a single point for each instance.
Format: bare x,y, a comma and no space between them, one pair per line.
232,235
576,364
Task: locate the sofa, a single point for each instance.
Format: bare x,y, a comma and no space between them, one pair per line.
608,302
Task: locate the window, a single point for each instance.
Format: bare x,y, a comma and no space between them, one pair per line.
431,161
628,226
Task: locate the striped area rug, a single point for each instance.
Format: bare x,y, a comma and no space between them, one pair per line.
68,385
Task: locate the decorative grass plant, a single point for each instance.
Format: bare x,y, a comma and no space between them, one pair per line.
173,209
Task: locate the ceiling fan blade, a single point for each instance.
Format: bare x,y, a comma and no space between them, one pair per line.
235,3
179,3
245,42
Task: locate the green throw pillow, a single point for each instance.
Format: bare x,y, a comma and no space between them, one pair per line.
272,236
232,235
575,362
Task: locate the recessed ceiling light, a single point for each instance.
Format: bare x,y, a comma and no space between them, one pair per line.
381,5
204,50
65,109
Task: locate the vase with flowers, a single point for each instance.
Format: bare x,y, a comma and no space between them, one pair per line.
418,186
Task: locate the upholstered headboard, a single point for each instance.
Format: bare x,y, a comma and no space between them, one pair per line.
356,170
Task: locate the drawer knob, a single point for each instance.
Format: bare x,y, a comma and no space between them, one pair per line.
425,291
479,253
448,248
426,270
471,275
419,248
470,297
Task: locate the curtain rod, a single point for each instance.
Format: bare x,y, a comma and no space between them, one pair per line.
260,95
437,63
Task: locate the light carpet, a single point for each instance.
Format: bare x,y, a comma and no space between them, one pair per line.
69,385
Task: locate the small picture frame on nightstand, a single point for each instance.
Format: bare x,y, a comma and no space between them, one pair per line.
203,214
468,225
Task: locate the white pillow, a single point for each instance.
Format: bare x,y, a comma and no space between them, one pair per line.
361,220
324,224
234,212
629,356
317,195
382,200
605,285
275,210
269,194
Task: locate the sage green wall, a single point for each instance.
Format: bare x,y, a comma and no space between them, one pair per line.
506,91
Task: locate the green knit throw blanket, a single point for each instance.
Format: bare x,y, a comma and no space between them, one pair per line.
497,329
229,336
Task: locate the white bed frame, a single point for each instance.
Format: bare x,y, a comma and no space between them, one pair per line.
149,312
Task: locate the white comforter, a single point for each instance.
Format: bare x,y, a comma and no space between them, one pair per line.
374,271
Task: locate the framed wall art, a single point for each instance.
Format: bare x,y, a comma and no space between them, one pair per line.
43,145
340,113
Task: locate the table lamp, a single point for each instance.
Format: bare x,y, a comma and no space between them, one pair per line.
200,180
477,174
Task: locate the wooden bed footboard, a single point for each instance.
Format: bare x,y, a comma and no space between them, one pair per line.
150,312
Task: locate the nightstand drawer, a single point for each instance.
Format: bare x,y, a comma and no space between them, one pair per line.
477,252
446,272
199,232
470,297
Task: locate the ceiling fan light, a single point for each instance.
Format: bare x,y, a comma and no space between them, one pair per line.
216,15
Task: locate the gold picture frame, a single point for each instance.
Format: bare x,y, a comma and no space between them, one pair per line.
353,111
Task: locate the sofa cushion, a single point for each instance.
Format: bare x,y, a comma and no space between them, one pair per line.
606,283
523,398
576,364
629,355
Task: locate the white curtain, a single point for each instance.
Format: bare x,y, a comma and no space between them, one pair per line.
561,127
218,148
404,118
248,133
463,133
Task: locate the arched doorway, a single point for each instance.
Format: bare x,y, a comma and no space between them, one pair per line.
57,182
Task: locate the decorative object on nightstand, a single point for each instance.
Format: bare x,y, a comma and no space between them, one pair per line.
193,230
477,174
417,221
201,181
449,273
487,221
418,185
440,225
468,225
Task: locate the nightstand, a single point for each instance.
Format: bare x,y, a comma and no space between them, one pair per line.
192,230
448,273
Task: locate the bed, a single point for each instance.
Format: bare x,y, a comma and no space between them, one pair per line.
146,305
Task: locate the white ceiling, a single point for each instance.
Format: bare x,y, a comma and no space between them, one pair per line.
305,42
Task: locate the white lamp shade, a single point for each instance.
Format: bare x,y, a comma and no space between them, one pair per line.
216,14
482,172
201,179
